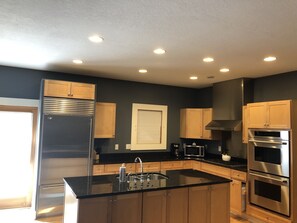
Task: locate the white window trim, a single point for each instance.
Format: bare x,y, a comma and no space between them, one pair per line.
149,107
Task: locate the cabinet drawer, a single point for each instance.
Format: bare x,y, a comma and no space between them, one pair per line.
188,164
217,170
114,168
172,165
238,175
149,167
196,165
98,169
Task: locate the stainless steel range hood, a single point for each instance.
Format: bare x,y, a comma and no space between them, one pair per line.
224,125
228,99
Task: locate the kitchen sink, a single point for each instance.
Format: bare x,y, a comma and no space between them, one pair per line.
146,177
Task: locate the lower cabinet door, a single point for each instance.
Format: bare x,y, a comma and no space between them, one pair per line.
177,205
154,207
198,204
93,210
236,197
220,203
127,208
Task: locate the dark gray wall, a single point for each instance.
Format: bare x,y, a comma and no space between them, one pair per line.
25,83
125,93
276,87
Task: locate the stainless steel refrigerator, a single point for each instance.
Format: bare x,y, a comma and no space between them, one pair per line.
65,148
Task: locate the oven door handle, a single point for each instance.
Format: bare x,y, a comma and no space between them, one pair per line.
280,181
268,142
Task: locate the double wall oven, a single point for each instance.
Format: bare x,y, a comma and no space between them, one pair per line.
269,169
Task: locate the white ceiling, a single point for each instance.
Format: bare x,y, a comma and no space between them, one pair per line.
49,34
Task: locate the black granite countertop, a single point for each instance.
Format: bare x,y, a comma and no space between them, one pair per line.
106,185
234,163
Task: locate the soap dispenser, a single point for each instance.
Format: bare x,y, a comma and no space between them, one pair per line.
122,171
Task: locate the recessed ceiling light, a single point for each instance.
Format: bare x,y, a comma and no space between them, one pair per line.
224,70
193,77
269,59
208,59
142,71
96,39
159,51
77,61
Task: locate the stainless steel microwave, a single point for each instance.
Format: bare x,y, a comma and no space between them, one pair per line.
194,151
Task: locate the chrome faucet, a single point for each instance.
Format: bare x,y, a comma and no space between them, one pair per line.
141,166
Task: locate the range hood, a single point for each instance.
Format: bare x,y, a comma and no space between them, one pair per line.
228,99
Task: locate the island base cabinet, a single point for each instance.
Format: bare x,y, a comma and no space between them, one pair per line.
94,210
127,208
198,204
110,209
166,206
220,203
209,204
154,206
177,205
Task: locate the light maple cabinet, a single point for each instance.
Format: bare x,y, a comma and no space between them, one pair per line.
98,169
238,192
209,204
114,168
172,165
188,164
148,167
105,120
237,201
193,122
273,114
216,170
67,89
236,205
245,124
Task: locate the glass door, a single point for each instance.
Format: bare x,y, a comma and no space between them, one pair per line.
17,132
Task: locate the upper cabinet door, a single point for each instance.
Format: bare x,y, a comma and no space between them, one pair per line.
273,114
83,91
207,118
191,123
257,115
66,89
105,120
278,114
53,88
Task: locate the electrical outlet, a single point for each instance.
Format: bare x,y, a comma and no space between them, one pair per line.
219,148
128,146
116,146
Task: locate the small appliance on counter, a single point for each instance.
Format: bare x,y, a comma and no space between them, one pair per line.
174,149
193,151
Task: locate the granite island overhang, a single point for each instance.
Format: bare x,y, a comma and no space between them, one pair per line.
82,193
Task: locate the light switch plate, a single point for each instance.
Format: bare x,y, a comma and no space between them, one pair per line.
116,146
128,146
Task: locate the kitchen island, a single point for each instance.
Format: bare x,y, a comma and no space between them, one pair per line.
179,196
